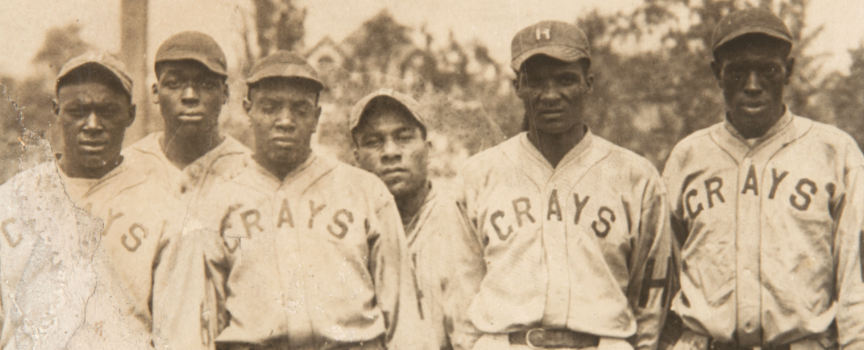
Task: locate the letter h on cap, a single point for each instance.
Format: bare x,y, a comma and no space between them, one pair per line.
543,33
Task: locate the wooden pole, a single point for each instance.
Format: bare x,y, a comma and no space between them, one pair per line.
133,23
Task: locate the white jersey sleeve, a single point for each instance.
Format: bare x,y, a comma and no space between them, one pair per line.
653,267
849,245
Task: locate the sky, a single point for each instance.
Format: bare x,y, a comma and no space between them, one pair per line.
492,22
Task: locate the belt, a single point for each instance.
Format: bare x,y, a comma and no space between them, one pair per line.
542,338
718,345
674,330
375,344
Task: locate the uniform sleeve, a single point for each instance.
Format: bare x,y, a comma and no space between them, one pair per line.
652,266
189,288
462,274
387,248
674,184
849,264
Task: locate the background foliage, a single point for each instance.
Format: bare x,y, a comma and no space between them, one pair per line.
652,81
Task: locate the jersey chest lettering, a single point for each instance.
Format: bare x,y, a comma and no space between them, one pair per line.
521,211
706,194
132,233
252,221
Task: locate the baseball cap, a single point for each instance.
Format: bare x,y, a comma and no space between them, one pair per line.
196,46
560,40
99,60
283,64
407,101
749,21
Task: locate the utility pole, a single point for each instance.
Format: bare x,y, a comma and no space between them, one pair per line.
133,37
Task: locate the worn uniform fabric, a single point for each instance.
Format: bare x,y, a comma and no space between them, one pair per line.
441,251
763,253
146,155
45,268
313,259
583,246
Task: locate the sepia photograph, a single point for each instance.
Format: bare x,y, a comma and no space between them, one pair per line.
432,174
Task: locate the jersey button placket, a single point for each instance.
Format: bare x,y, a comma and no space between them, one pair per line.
554,238
286,243
747,248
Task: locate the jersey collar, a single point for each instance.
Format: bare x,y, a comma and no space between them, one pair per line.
303,176
81,188
528,159
787,129
413,228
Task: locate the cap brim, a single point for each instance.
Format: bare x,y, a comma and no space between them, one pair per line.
280,71
183,56
563,53
360,107
121,76
751,30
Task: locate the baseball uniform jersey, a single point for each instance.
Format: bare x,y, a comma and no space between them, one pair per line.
311,260
441,251
147,156
763,253
583,246
133,228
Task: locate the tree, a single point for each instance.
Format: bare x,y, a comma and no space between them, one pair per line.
377,41
61,44
648,99
279,25
845,95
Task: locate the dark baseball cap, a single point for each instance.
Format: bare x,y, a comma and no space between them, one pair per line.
98,60
406,101
196,46
283,64
749,21
559,40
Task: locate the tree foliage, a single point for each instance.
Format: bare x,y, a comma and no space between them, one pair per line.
61,43
279,25
647,99
845,96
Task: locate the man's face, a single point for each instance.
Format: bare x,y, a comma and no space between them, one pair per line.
753,74
391,145
284,114
553,93
94,117
190,97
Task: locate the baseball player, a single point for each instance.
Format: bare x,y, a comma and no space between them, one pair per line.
389,136
190,90
758,205
307,249
58,290
574,230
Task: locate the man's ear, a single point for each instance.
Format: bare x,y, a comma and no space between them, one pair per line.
225,92
132,110
154,90
247,105
717,69
790,67
55,107
589,81
317,112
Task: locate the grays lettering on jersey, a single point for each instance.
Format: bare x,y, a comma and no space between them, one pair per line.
585,245
762,233
323,246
